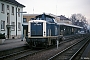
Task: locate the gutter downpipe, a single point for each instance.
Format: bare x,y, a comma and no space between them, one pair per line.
16,21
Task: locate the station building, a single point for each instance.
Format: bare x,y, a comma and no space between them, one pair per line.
26,18
10,18
66,26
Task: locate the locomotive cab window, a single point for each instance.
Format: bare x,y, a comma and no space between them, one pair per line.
45,17
49,19
39,18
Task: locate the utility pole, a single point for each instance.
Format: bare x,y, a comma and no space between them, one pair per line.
56,7
33,10
22,35
16,21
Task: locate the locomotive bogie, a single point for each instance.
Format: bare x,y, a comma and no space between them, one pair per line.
41,42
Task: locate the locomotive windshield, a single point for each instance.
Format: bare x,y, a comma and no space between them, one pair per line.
39,18
48,18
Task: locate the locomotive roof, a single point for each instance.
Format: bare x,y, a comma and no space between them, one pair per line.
45,15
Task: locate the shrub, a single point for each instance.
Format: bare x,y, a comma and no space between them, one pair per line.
2,36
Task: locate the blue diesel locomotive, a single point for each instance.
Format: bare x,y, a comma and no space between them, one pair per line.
43,31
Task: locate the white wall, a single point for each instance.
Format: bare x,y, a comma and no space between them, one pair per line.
3,17
20,19
12,18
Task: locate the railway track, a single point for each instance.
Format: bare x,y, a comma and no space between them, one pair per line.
25,57
20,54
9,56
20,58
13,50
70,52
24,53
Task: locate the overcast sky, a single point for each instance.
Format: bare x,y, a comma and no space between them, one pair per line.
57,7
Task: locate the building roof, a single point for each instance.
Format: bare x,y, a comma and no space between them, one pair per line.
14,2
69,25
63,18
30,14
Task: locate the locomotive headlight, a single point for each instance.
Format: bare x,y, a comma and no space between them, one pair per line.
28,33
44,32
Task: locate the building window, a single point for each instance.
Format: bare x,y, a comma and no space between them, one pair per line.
7,7
12,10
24,20
2,25
8,20
18,12
13,25
19,26
2,8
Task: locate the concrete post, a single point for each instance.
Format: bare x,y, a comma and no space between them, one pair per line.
57,43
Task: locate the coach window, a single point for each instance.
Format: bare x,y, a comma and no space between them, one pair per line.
2,25
32,19
19,26
2,8
13,27
7,7
37,18
18,11
24,20
12,10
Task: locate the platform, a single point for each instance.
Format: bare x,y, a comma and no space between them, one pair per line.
12,43
86,53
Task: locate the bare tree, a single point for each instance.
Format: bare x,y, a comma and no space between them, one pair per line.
79,20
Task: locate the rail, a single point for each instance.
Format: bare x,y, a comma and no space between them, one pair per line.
51,58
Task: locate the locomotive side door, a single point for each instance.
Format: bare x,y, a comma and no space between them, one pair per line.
49,36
